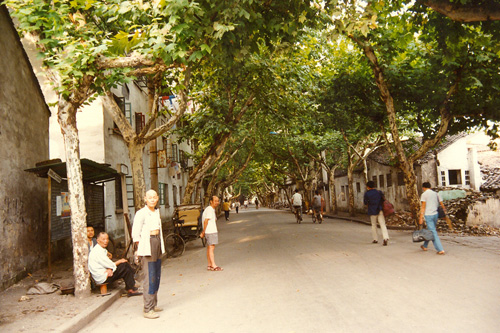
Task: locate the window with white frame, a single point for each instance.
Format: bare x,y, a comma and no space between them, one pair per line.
467,177
175,153
167,196
455,177
161,194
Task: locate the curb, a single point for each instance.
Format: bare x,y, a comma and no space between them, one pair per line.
390,227
81,320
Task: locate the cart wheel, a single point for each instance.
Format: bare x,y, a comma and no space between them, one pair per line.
174,245
204,241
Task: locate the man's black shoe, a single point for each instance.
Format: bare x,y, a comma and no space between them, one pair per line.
134,293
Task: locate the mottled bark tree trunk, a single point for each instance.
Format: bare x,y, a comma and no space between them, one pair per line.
137,142
197,198
210,158
135,153
214,153
67,121
350,180
405,162
333,192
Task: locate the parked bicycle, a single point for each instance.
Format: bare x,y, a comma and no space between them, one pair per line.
187,227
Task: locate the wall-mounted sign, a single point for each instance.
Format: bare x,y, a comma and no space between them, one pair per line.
65,209
52,174
162,158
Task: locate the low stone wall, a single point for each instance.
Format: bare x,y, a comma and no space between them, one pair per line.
484,213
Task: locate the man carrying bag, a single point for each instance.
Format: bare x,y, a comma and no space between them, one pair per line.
430,201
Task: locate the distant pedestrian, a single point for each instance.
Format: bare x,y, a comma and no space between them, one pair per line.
246,204
373,199
318,204
297,203
237,206
430,201
226,207
256,203
148,240
210,232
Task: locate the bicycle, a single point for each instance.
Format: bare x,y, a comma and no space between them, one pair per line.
298,213
316,216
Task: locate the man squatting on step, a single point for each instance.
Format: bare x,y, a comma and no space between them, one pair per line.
148,240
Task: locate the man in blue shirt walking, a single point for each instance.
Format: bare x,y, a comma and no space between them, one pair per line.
373,199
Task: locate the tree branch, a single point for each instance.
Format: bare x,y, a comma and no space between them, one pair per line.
471,12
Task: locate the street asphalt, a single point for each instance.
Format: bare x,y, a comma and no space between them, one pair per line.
280,276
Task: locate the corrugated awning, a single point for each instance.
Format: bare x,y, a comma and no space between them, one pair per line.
93,172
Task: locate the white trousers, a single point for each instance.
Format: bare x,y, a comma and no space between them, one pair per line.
381,220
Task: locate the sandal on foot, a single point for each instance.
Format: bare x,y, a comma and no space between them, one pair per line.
440,252
210,268
423,248
217,269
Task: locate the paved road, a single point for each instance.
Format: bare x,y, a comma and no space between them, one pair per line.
283,277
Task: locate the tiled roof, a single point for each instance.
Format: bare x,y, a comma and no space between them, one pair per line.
492,182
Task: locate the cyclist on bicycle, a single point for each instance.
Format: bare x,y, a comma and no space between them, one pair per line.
317,205
297,204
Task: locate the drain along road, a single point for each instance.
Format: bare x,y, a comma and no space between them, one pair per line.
280,276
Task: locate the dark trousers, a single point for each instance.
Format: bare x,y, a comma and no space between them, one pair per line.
226,213
123,271
151,268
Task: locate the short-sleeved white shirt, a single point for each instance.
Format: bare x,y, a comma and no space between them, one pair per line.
209,213
297,199
99,263
431,202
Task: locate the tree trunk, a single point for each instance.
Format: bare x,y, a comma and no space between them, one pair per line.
333,192
412,191
135,152
350,179
67,121
211,186
197,198
210,158
406,165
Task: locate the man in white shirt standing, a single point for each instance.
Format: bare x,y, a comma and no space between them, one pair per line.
103,270
297,203
210,232
148,239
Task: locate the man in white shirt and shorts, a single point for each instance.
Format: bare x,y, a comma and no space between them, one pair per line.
210,233
297,203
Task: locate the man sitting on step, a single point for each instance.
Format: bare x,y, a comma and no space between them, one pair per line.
103,270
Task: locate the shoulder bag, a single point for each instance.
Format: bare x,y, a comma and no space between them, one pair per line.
387,207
